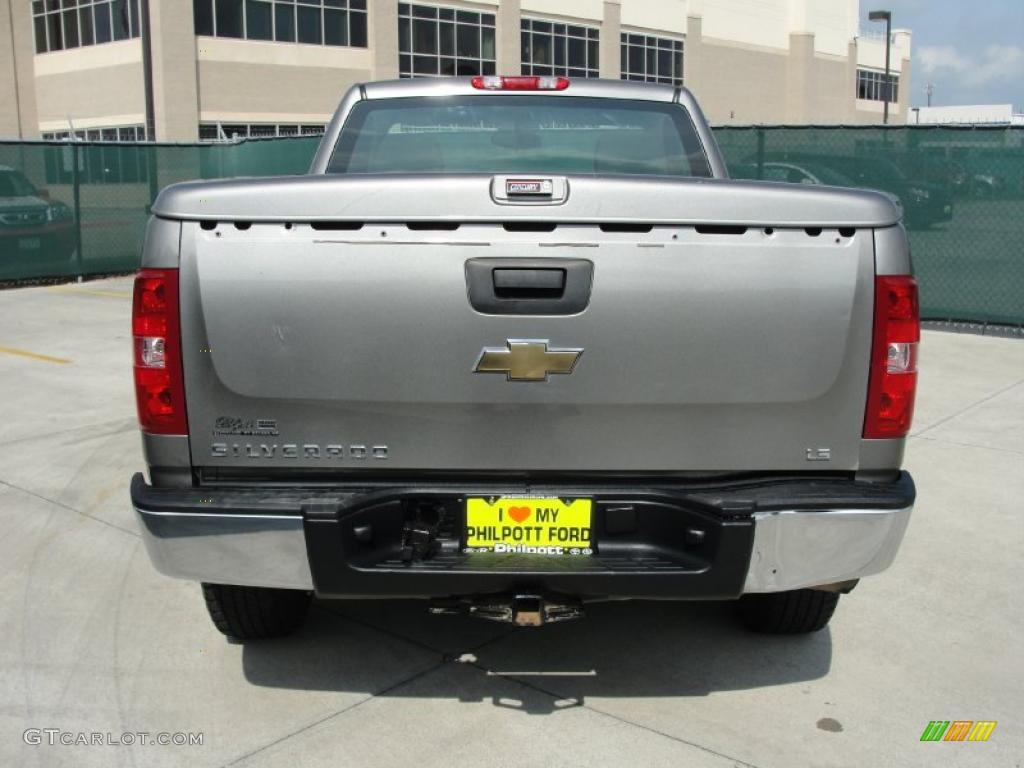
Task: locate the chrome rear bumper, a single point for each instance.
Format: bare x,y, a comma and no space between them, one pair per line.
249,550
809,548
261,540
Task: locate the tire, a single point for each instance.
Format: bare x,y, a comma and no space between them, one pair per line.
796,612
255,613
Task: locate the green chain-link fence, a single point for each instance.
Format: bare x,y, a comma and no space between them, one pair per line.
961,190
80,208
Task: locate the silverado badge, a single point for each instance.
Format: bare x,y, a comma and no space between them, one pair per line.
526,360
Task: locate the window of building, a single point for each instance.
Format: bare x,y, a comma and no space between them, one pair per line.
102,157
315,22
871,85
652,59
120,133
228,132
61,24
554,48
444,41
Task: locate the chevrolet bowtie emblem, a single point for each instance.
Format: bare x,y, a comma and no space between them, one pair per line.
527,360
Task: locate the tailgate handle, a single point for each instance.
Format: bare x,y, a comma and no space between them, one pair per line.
525,286
517,283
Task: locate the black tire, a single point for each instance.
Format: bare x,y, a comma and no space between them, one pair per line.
796,612
255,613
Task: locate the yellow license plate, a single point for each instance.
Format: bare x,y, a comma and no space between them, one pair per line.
535,526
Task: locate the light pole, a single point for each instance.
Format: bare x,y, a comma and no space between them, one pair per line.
885,16
147,70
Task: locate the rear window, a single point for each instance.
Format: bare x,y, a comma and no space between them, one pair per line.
519,134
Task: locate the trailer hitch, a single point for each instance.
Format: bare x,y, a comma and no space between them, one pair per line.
523,610
420,533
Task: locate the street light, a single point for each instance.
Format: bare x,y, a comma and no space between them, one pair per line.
885,16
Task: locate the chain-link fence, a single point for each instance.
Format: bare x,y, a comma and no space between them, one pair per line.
80,208
961,191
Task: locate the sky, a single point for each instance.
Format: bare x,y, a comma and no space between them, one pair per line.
971,51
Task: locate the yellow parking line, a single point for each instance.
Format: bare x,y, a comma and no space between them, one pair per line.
34,355
111,294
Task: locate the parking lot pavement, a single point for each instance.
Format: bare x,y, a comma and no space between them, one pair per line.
94,640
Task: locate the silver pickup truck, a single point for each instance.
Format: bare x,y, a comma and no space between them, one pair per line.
516,344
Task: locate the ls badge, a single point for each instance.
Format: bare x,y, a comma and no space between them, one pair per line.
527,360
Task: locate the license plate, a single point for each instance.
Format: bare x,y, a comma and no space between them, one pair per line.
30,243
528,525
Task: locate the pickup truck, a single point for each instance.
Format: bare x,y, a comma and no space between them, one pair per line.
514,345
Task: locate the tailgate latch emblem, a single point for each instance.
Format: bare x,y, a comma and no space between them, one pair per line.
529,187
527,360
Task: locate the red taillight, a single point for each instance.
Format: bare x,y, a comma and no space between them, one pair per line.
893,380
156,338
520,83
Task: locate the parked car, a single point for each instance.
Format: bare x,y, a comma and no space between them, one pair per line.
924,203
987,185
32,227
803,173
517,344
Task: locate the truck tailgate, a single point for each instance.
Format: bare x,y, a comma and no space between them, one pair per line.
316,345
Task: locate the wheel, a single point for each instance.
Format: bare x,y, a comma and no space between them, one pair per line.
796,612
255,613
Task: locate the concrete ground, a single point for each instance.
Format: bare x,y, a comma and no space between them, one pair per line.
94,640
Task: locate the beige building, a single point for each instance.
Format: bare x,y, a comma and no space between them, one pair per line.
219,68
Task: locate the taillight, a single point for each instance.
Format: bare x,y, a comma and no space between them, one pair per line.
893,380
520,83
156,332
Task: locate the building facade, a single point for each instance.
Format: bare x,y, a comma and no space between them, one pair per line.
967,114
222,68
